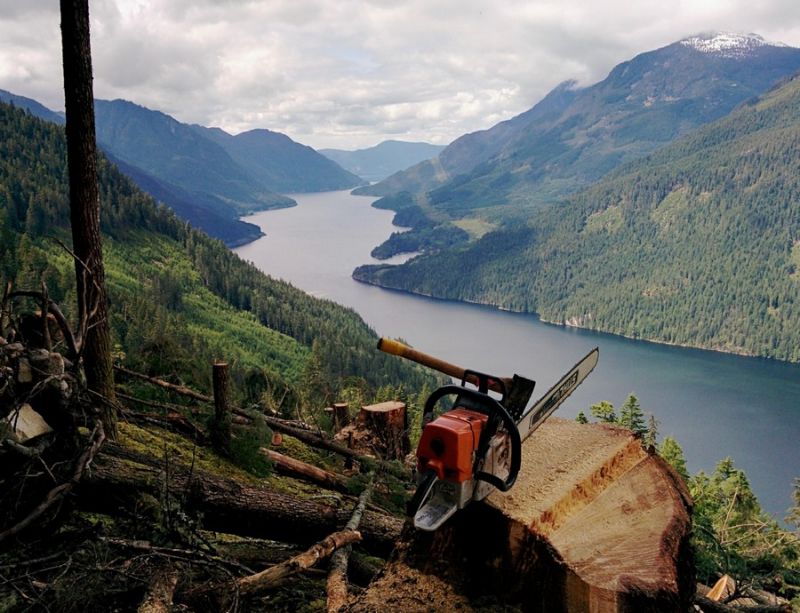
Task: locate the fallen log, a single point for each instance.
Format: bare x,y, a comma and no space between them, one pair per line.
291,467
594,523
275,575
337,575
178,389
229,506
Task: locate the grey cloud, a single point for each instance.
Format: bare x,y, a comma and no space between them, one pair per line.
348,73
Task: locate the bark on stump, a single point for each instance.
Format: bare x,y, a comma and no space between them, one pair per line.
594,523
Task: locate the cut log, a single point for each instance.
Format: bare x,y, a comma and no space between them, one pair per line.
307,472
594,523
228,506
381,430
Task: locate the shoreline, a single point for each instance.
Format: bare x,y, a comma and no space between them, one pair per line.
549,322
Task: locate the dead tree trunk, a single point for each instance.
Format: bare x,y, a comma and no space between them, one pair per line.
85,207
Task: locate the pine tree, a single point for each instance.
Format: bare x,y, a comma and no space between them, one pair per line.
604,411
672,453
581,418
651,436
632,417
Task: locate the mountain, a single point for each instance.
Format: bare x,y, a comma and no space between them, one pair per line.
175,153
384,159
204,211
574,135
696,244
280,163
35,108
178,299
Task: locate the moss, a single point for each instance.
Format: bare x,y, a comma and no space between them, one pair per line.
155,442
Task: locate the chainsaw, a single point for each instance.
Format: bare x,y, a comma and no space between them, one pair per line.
475,447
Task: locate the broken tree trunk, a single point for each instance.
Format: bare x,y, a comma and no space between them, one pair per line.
337,575
308,472
229,506
594,523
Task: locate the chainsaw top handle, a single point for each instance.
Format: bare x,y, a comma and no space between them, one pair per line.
493,408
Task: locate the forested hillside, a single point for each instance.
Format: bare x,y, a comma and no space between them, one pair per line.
697,244
178,299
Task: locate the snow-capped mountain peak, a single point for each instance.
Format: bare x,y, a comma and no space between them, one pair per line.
726,44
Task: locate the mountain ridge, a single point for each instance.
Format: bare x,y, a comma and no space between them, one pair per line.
387,157
536,158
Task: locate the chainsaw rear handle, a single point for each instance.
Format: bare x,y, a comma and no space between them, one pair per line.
492,407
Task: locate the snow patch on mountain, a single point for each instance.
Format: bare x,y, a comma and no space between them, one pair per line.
726,44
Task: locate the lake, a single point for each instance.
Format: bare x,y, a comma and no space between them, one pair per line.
714,404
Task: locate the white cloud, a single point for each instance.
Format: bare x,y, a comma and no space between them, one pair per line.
348,73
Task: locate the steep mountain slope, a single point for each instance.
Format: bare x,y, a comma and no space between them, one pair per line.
281,164
178,298
575,136
697,244
204,211
173,152
385,158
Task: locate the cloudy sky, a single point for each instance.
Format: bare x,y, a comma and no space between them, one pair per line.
350,73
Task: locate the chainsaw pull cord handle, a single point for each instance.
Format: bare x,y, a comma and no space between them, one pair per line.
493,408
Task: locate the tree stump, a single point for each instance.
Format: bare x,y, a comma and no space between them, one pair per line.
380,430
341,414
594,523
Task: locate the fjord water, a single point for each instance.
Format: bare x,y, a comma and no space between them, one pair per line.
714,404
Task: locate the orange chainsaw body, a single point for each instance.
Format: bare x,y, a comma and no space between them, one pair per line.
448,444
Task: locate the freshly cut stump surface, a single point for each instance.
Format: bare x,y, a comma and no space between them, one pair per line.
594,523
